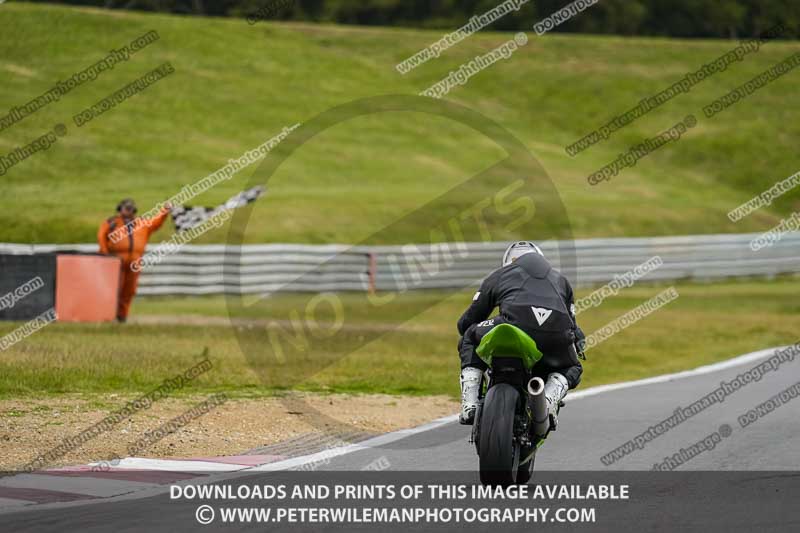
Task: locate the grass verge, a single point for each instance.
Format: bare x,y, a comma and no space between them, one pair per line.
382,351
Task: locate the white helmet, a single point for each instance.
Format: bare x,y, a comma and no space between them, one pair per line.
518,249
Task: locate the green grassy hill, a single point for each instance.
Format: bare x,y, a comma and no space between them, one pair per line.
236,85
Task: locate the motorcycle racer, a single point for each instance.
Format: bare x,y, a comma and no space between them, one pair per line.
536,298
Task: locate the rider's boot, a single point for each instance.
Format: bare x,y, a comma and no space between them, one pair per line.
470,389
555,390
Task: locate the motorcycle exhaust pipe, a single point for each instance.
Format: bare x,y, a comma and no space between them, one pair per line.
538,404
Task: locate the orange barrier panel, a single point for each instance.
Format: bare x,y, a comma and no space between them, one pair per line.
87,288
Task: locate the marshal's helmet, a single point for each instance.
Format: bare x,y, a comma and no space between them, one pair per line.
518,249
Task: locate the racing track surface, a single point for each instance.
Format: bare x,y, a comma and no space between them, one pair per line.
592,424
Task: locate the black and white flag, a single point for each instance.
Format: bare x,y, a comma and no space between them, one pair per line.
186,216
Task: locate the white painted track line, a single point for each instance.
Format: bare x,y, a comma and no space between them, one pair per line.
573,396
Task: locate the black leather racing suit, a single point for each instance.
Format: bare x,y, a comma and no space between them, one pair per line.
537,299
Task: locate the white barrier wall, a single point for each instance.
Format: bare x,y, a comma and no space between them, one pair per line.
217,269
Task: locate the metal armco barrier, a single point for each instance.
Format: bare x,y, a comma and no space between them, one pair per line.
208,269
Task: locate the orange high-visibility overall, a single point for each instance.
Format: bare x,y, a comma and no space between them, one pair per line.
127,241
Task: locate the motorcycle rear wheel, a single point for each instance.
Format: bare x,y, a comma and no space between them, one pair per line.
525,471
498,450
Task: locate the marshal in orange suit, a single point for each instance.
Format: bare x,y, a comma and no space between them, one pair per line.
125,235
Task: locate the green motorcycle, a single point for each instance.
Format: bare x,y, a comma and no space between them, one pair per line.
513,421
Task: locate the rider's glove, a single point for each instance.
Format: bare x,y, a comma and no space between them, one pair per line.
580,347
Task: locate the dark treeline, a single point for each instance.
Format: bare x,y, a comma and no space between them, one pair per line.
677,18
